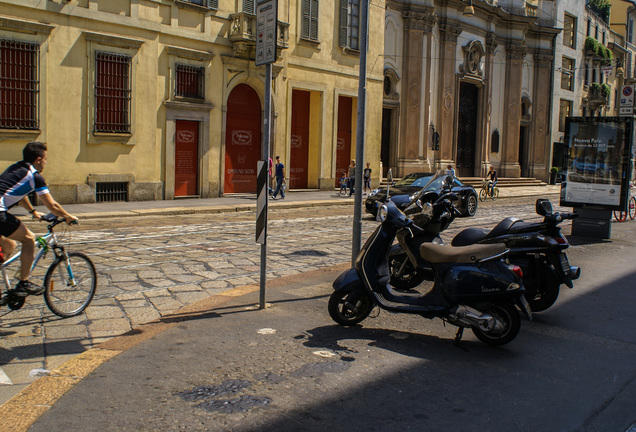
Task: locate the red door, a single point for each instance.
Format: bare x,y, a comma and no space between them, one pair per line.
242,140
186,158
343,145
299,152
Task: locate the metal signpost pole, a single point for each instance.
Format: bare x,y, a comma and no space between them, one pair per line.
266,23
356,241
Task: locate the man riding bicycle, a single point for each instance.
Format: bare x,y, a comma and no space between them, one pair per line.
19,180
492,177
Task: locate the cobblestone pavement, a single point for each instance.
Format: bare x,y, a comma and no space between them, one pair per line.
152,266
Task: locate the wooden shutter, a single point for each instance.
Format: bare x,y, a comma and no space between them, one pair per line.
213,4
344,12
248,6
306,21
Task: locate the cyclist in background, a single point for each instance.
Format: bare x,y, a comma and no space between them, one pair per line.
492,176
19,180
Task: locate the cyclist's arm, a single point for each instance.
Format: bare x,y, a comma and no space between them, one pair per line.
55,208
26,203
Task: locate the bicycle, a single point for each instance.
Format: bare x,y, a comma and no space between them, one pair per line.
70,281
483,193
621,216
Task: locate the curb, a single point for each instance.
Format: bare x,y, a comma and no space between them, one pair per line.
20,412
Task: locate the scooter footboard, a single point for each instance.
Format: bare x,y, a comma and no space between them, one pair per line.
349,280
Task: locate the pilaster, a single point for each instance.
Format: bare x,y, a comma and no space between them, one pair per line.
515,53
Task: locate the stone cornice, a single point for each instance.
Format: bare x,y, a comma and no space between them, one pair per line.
107,39
25,26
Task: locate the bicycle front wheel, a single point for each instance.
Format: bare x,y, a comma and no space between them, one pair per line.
482,195
495,193
70,285
632,208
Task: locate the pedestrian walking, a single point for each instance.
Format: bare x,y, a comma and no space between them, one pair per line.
279,170
352,176
366,176
269,178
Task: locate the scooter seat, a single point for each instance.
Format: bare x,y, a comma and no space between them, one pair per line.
471,236
436,253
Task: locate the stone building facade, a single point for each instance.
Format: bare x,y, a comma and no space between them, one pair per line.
469,84
161,99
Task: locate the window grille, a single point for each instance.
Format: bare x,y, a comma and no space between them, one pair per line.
211,4
111,191
112,93
310,20
19,85
190,81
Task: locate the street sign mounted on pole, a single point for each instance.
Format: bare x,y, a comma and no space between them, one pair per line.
266,24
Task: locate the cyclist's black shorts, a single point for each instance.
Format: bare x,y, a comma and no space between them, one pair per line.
8,224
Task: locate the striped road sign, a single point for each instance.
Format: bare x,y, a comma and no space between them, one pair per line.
261,203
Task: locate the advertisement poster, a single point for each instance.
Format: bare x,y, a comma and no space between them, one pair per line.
599,151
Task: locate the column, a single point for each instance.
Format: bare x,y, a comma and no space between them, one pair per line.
446,121
540,142
515,52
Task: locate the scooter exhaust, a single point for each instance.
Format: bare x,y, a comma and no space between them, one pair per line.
467,316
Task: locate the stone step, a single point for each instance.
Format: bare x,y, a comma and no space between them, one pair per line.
501,182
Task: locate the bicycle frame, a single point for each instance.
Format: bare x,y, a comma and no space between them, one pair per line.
44,244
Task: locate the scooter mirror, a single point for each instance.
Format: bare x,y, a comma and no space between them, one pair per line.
448,182
544,207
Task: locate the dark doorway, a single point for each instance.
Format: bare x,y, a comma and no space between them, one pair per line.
299,146
385,152
523,157
467,130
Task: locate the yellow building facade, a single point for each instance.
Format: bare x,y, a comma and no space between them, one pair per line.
161,99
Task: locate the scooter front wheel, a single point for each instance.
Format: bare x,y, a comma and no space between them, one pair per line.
507,327
348,308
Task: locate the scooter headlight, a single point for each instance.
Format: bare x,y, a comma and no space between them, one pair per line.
382,213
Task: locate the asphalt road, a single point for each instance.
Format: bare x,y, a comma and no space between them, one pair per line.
151,266
290,368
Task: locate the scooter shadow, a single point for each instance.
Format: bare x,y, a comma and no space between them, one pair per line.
341,341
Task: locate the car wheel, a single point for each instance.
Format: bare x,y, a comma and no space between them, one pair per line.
471,205
600,172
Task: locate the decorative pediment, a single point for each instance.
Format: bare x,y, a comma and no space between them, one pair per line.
473,55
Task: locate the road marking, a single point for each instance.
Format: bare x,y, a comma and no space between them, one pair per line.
4,379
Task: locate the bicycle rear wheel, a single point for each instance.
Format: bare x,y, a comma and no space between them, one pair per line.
482,195
620,215
632,208
70,288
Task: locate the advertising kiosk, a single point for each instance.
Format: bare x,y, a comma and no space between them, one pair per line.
599,171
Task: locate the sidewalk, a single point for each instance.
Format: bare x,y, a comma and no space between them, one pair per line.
244,202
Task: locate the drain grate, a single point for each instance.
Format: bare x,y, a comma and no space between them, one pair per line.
111,191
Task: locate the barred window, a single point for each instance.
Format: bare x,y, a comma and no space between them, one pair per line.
190,81
112,93
211,4
19,85
310,20
350,24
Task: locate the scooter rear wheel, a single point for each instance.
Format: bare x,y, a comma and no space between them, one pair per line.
506,313
541,294
348,308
